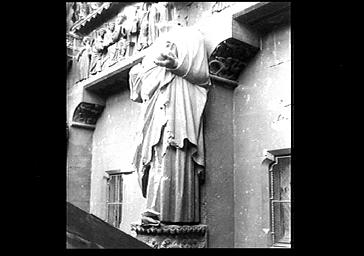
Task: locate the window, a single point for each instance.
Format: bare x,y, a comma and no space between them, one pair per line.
281,200
280,196
114,199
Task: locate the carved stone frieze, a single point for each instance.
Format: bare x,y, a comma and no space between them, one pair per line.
87,113
230,57
172,236
132,28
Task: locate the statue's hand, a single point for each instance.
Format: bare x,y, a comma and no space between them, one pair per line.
167,60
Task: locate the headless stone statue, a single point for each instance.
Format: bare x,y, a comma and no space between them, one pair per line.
171,83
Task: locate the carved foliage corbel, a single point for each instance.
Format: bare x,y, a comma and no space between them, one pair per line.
230,57
172,236
87,113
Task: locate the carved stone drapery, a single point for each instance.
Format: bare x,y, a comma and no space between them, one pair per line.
87,113
172,236
230,57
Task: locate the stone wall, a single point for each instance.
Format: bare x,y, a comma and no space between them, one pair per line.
217,192
79,168
79,153
262,121
113,148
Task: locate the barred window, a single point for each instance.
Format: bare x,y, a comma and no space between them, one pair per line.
280,198
115,199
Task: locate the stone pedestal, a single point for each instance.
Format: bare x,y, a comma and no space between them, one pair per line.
172,236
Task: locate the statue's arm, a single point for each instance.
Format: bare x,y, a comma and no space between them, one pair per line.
189,72
193,73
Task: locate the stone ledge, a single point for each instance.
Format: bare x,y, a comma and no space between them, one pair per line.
169,229
119,71
84,126
172,236
224,81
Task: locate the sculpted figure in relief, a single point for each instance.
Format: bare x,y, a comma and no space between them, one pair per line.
132,30
143,40
98,52
121,44
84,58
171,83
112,37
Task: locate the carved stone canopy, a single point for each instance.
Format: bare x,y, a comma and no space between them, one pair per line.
172,236
230,57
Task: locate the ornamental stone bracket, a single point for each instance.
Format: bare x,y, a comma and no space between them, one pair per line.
172,236
85,108
87,114
230,57
236,39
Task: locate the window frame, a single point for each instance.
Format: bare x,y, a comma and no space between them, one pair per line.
109,175
270,160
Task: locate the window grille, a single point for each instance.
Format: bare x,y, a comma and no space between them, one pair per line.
115,199
280,201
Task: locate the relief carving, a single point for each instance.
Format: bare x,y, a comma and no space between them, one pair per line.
81,10
87,113
83,58
135,28
172,236
98,52
230,58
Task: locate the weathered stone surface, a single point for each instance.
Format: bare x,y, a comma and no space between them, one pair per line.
78,167
261,99
217,193
112,148
172,236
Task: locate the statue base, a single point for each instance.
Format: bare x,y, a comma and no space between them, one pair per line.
172,236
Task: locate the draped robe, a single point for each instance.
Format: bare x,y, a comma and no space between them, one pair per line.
98,56
170,153
84,62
